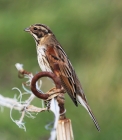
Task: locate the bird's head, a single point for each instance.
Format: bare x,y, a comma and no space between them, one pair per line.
38,31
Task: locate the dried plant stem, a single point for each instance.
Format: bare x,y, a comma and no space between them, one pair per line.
12,103
64,126
64,130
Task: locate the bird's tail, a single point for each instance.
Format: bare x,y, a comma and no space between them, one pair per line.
86,106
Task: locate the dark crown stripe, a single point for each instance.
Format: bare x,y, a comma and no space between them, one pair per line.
46,27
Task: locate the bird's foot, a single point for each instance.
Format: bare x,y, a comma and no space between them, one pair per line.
54,92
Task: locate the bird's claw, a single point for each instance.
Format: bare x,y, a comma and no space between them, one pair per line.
55,92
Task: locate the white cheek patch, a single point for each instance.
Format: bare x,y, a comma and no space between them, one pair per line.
35,36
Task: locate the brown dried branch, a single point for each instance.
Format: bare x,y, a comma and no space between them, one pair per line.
59,91
64,127
44,74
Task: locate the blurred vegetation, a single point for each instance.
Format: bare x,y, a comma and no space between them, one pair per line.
90,31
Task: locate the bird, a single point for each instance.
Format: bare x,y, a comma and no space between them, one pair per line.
52,58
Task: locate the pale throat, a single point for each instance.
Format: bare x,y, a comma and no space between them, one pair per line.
40,42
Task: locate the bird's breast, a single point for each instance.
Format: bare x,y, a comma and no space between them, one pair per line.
42,60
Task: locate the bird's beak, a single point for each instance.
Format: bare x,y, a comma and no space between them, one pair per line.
27,29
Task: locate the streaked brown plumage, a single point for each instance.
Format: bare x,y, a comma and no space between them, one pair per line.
52,58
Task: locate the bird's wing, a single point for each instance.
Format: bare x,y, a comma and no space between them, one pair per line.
62,67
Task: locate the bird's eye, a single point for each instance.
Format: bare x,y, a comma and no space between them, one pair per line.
35,28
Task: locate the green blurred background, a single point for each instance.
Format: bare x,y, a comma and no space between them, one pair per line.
90,31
